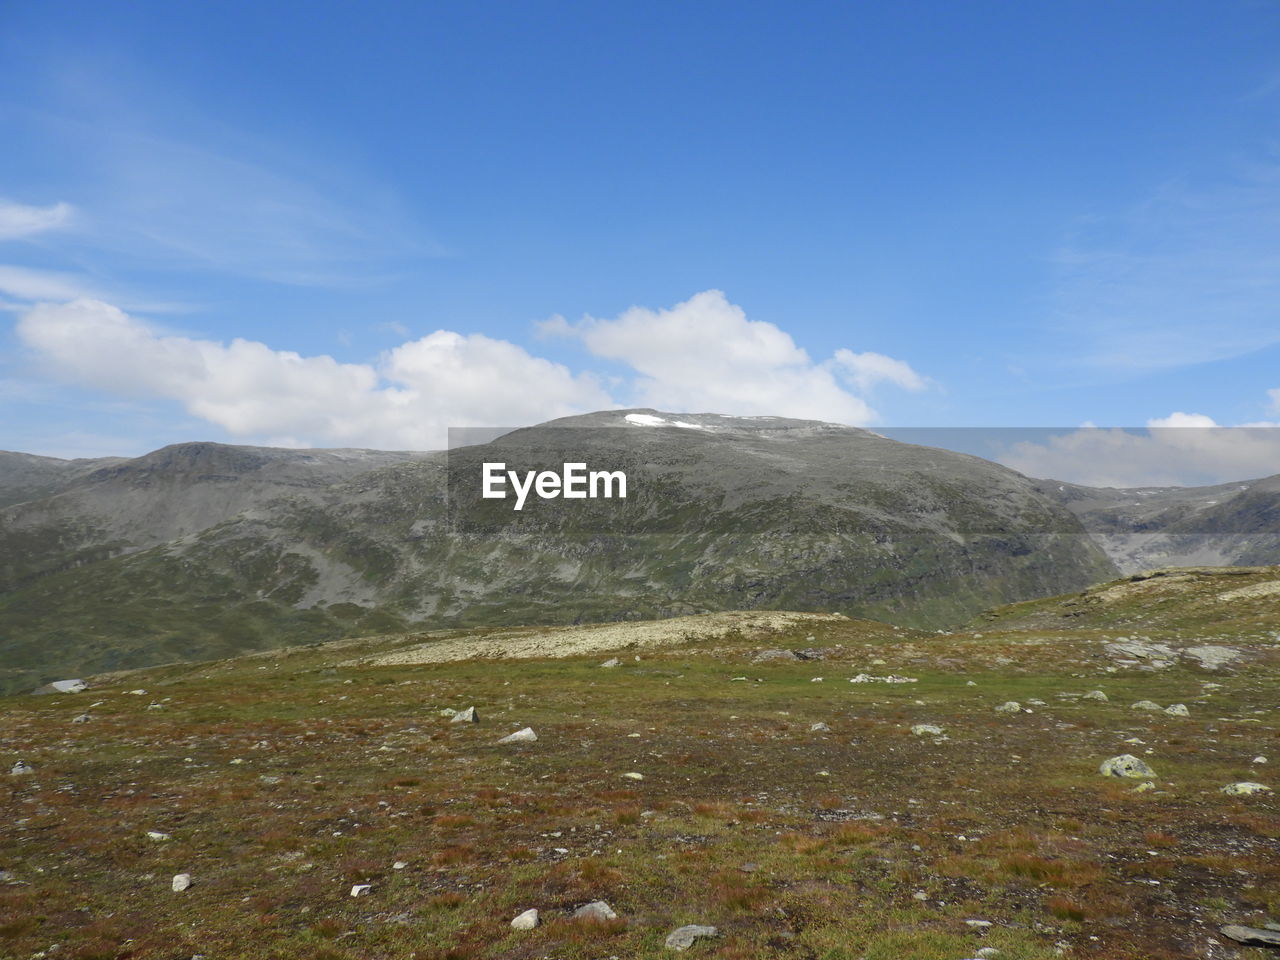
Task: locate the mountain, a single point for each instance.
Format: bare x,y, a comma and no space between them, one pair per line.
1145,528
204,550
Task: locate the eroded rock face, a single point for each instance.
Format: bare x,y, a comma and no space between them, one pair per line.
1126,765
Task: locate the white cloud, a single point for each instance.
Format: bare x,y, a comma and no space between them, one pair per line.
1181,449
408,400
1274,395
20,220
704,355
25,283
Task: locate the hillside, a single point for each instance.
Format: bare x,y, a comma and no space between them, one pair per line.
202,551
719,770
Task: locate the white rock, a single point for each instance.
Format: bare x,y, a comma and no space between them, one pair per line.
1144,787
608,665
520,736
1258,760
69,686
597,910
1177,710
1146,705
682,938
1097,695
1009,706
526,921
361,889
157,836
634,776
978,924
181,881
82,718
819,727
1126,765
21,768
927,730
1245,788
468,715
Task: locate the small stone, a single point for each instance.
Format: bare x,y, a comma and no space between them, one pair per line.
597,911
1097,695
1126,765
399,865
682,938
978,924
526,921
634,776
468,715
819,727
1144,787
1009,706
21,768
1245,788
1147,705
927,730
609,665
986,953
520,736
181,881
448,712
773,656
1258,760
157,836
920,895
1177,710
82,718
361,889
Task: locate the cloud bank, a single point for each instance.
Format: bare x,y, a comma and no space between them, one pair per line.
703,354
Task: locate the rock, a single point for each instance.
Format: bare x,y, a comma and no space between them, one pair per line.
927,730
82,718
361,889
1138,650
468,715
1144,787
819,727
520,736
1211,656
157,836
682,938
1097,695
1146,705
1126,765
634,776
770,656
448,712
597,912
978,924
1258,760
1009,706
1245,788
1251,936
608,664
986,953
21,768
525,921
181,881
399,865
1177,710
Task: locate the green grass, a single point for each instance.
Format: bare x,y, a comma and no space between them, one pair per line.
795,844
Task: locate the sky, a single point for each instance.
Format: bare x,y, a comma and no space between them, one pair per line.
331,224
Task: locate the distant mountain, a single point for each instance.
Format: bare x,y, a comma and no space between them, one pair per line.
1143,528
203,550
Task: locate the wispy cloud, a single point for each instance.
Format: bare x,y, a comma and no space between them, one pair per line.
1190,275
26,283
21,220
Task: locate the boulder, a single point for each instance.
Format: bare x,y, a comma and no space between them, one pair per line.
520,736
1177,710
1009,706
927,730
597,911
1245,788
1251,936
468,715
611,663
1149,705
1097,695
180,882
525,921
682,938
21,768
1126,765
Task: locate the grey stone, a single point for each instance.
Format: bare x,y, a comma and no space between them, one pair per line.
1009,706
21,768
1251,936
1245,788
819,727
525,921
181,881
1097,695
682,938
612,662
927,730
520,736
770,656
597,911
1150,705
1126,765
468,715
1177,710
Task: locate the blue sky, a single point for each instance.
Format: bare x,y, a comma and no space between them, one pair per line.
341,224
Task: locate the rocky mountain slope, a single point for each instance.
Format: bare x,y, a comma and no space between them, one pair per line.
1149,527
203,550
